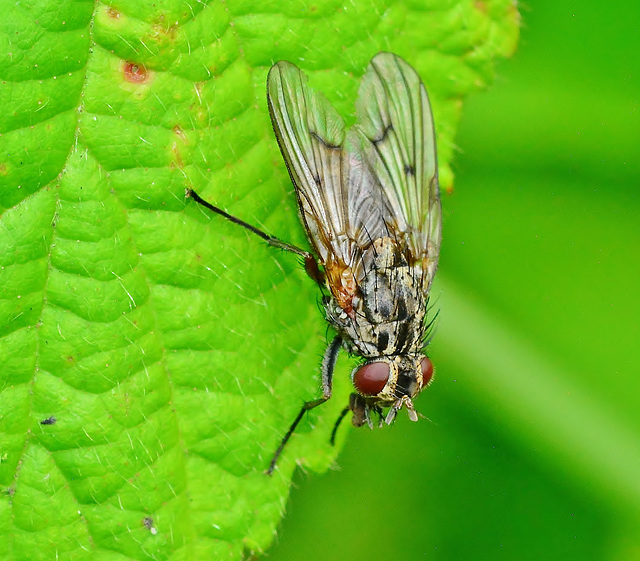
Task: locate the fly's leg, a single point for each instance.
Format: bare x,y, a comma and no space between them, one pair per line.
339,420
328,365
310,263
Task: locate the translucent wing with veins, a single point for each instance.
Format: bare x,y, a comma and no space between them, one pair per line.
397,138
311,135
378,179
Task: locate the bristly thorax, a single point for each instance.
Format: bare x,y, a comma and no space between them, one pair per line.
388,305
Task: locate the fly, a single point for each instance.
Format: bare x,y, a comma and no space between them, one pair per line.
369,200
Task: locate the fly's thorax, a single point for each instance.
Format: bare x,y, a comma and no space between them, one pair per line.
341,282
386,312
391,290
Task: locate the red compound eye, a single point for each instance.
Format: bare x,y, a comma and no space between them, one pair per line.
371,378
427,371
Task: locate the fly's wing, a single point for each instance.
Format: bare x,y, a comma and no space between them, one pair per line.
311,135
394,138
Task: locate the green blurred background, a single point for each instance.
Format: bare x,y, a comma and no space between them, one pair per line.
532,450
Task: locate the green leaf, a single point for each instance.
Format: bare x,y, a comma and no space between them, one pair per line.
167,350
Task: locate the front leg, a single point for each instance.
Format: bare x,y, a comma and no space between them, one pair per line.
328,366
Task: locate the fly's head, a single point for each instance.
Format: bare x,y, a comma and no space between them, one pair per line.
391,381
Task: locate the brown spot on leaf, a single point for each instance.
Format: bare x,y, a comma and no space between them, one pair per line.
179,132
481,6
135,73
177,129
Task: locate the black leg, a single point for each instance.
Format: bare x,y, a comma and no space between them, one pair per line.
342,415
310,262
328,365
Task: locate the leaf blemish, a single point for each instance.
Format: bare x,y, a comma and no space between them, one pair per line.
135,73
